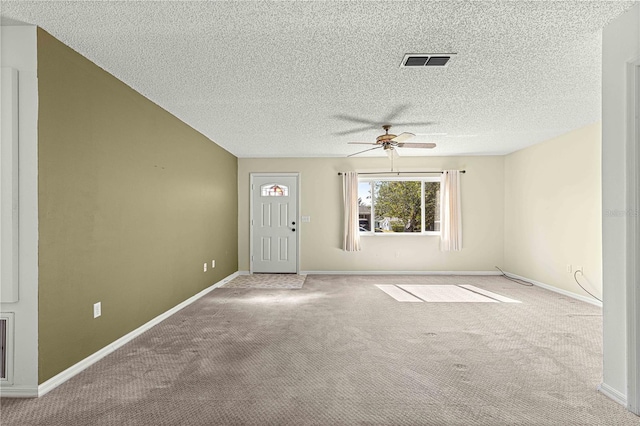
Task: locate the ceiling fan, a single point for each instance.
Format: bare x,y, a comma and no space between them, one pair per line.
388,142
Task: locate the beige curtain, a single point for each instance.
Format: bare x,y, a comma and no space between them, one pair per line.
451,211
351,223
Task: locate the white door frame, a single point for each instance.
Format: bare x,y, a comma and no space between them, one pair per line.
633,240
298,228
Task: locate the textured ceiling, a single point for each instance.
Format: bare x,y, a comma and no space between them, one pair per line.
293,79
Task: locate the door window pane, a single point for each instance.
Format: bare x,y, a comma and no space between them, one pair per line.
274,190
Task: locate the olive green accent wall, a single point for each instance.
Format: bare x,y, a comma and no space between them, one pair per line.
132,203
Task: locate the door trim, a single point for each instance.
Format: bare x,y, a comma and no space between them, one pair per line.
299,230
633,240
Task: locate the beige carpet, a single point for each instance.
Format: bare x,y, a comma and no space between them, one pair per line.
267,281
339,351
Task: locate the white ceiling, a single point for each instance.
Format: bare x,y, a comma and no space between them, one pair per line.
283,79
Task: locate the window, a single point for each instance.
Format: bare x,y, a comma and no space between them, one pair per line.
399,205
274,190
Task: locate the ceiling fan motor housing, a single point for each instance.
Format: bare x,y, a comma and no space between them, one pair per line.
386,138
382,139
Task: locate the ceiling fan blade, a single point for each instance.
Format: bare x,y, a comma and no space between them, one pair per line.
433,134
361,143
402,137
392,153
370,149
396,112
416,145
358,130
414,123
353,119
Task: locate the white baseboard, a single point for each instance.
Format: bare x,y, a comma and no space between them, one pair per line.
18,391
557,290
612,393
65,375
399,273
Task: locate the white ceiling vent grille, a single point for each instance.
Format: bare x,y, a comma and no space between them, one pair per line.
434,60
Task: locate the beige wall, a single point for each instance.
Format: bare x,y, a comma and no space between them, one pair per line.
321,198
132,202
553,211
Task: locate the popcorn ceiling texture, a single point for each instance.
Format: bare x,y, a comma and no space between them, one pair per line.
276,79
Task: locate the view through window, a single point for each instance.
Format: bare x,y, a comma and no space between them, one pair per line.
399,205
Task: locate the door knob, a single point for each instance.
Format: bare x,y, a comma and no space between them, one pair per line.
293,223
293,229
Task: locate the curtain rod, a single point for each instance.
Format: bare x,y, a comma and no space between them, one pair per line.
396,173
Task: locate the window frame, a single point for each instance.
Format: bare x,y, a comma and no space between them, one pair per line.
422,180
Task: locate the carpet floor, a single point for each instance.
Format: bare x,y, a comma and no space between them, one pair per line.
339,351
267,281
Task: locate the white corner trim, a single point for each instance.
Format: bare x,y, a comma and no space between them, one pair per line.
65,375
557,290
243,273
612,393
9,171
19,391
633,235
399,273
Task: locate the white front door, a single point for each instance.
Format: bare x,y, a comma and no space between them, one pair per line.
274,223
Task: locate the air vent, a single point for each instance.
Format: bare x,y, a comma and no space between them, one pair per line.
6,347
3,349
439,60
416,61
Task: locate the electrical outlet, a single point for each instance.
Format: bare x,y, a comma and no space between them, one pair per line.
579,269
213,264
569,268
205,267
97,309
